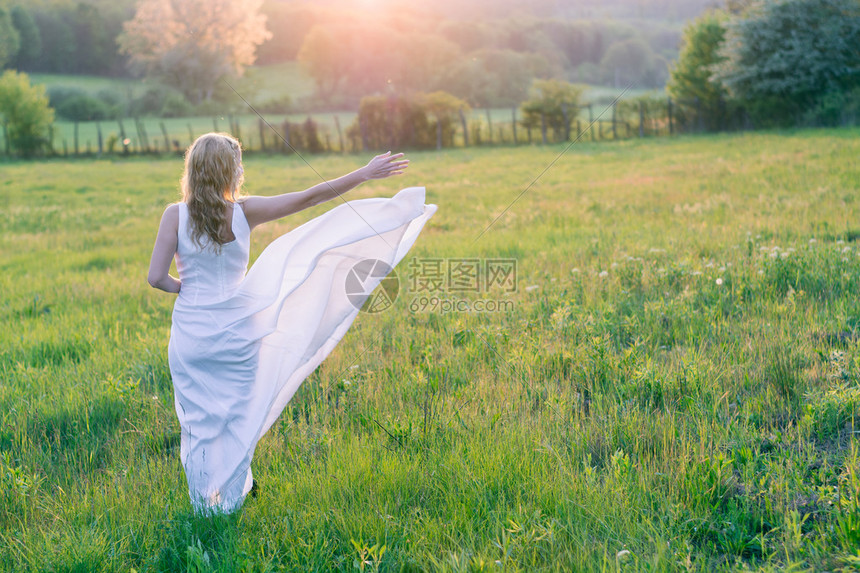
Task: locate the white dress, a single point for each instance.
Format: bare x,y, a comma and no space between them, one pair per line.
241,344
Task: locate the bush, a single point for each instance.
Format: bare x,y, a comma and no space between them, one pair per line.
399,121
175,105
557,101
281,104
150,102
83,108
834,109
25,113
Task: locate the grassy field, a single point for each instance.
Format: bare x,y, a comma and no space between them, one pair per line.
674,385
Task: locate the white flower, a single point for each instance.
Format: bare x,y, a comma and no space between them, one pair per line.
530,288
811,241
613,266
846,250
696,273
719,281
623,554
603,274
574,271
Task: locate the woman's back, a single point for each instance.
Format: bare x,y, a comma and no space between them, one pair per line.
206,275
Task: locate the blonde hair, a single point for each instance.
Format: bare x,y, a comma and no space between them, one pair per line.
211,182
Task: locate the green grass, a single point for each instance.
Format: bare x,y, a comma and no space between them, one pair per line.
676,386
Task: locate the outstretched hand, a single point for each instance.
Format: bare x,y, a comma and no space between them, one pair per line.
385,165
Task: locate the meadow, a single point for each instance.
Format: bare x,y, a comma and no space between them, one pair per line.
673,385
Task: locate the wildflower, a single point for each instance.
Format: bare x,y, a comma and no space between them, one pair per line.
623,554
530,288
613,266
812,241
846,249
696,273
574,270
603,274
719,281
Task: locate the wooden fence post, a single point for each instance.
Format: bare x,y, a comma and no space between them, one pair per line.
286,135
489,127
122,137
145,137
566,121
339,135
465,128
215,124
6,138
514,123
614,122
543,128
262,135
99,133
669,113
190,134
641,119
76,139
166,138
591,121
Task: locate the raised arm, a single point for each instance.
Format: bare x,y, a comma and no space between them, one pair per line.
163,251
260,210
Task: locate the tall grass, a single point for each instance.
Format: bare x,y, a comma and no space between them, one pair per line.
675,387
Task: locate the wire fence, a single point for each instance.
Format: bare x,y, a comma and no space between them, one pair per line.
644,117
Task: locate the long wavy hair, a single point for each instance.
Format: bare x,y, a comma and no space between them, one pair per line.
212,180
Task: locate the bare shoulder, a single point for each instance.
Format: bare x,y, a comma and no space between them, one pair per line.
170,217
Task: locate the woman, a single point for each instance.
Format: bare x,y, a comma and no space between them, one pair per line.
241,344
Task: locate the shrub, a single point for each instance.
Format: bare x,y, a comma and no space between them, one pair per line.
83,108
25,113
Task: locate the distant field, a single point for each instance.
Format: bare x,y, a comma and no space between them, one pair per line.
673,385
260,84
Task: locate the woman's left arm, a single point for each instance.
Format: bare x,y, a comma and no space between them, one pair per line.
163,251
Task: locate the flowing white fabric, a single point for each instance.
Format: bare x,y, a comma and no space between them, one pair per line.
241,344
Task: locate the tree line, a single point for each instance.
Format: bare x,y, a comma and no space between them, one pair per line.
776,62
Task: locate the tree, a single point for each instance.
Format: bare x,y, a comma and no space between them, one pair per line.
781,57
193,44
691,81
557,101
9,39
629,61
445,109
31,40
25,113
